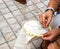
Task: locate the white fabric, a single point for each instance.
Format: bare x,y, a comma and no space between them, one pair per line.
24,41
21,40
34,26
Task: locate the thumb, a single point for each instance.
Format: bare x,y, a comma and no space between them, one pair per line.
46,36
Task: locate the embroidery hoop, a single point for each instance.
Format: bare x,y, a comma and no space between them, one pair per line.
31,34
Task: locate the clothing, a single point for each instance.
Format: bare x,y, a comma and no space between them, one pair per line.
55,23
35,44
58,12
21,41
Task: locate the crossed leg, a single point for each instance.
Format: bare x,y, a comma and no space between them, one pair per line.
54,45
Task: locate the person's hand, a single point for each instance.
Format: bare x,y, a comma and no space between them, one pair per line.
46,16
51,35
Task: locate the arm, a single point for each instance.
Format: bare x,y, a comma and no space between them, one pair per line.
49,14
54,4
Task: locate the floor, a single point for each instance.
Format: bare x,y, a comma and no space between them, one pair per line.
12,17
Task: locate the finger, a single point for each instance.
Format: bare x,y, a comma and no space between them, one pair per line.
46,38
40,18
46,34
48,21
49,38
44,23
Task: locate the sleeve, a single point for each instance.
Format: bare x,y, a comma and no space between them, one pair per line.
55,23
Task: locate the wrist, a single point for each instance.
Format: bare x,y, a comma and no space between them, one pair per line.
50,13
50,9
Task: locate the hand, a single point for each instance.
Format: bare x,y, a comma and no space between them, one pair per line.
46,16
51,35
